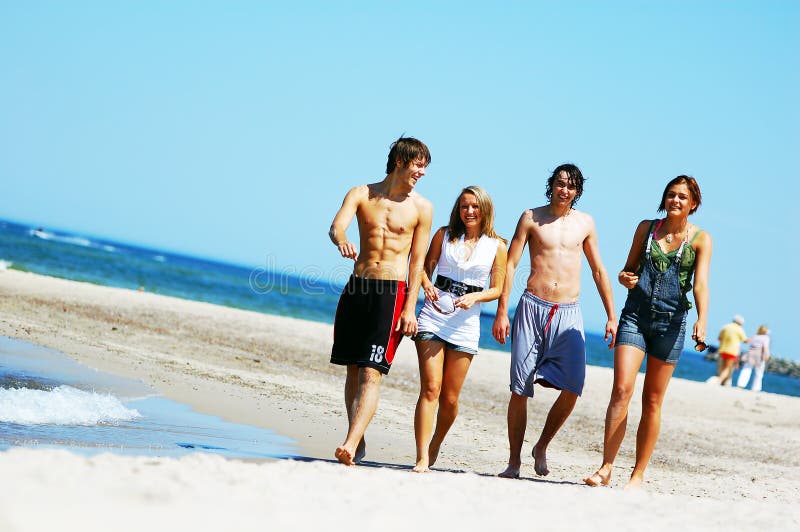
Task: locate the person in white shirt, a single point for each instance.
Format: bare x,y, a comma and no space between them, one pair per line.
755,360
466,254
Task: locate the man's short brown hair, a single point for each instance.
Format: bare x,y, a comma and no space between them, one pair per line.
406,150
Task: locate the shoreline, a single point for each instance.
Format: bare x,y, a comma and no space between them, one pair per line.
721,445
775,366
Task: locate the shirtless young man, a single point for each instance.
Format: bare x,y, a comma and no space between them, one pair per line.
375,309
548,342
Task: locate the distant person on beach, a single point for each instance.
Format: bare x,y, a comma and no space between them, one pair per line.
466,254
658,274
730,345
755,360
547,337
376,307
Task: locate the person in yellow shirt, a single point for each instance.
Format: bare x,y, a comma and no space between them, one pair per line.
730,344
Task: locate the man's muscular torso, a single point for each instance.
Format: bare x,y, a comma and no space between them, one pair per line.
386,229
556,247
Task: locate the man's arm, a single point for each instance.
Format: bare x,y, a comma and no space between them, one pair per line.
501,325
407,324
338,230
600,276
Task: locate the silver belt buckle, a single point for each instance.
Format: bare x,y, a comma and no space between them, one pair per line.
458,288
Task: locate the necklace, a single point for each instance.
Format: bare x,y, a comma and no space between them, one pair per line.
669,235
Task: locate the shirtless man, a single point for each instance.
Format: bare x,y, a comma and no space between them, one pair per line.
548,343
375,309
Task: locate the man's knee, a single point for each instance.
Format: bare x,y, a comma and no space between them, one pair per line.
567,399
517,402
369,376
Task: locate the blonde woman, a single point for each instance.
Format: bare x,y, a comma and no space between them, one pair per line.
465,254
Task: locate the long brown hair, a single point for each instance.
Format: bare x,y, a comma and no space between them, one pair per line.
456,227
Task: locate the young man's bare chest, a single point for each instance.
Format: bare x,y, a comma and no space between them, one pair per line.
557,236
394,217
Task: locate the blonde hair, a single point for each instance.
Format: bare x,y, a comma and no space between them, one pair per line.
762,330
456,226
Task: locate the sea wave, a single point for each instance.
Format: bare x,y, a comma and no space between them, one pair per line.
74,240
63,405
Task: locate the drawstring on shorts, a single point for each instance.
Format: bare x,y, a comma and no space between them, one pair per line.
552,313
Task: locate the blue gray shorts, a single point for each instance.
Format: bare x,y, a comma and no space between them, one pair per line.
431,337
548,346
660,339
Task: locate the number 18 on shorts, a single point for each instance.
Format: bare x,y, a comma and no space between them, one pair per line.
364,330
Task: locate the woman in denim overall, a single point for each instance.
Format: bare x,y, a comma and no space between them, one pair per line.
653,321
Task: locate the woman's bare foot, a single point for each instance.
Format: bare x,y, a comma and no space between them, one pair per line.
421,467
433,453
344,456
601,477
635,483
540,461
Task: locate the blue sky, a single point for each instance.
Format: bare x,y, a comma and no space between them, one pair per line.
232,130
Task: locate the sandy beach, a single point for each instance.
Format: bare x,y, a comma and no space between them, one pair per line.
726,457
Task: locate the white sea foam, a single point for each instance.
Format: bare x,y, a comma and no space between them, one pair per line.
4,264
63,405
159,258
108,248
75,240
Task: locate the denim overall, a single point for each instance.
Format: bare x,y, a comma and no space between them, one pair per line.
654,314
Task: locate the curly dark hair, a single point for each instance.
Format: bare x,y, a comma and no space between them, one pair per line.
574,177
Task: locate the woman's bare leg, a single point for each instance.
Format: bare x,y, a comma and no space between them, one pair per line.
656,379
456,366
627,361
431,364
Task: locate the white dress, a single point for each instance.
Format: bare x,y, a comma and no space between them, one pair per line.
463,327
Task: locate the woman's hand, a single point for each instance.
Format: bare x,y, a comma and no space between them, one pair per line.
466,301
628,279
699,332
431,293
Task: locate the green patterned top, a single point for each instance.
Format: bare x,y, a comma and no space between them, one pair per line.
661,262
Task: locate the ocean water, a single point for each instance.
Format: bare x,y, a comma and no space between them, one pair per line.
84,258
47,400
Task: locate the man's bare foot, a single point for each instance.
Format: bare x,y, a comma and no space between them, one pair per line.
600,477
361,451
540,461
635,483
344,456
433,453
421,467
510,472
